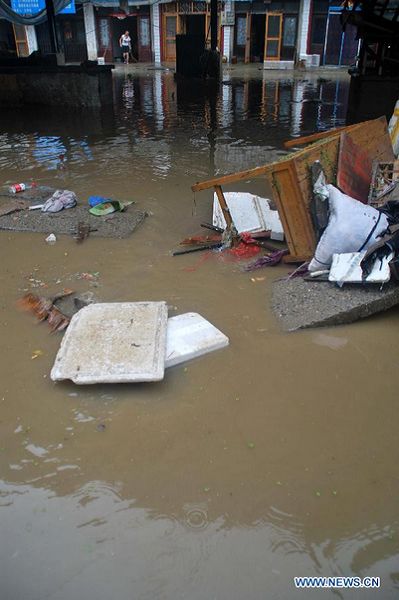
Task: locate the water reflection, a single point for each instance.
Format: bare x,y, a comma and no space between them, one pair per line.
240,123
94,541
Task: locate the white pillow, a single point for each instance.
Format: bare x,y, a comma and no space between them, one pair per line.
349,225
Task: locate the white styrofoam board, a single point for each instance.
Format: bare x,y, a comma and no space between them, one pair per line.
189,336
114,342
249,213
346,268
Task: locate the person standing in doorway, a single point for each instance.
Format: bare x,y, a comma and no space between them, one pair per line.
126,44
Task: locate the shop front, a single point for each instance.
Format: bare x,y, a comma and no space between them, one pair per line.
265,33
185,18
112,23
70,34
327,39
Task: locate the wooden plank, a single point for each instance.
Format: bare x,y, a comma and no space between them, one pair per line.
223,206
327,154
321,135
300,154
291,182
289,258
355,166
266,169
293,213
372,136
233,177
314,137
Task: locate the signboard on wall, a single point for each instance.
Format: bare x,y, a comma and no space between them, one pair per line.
31,7
228,17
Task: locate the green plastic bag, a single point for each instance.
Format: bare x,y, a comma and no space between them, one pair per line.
106,208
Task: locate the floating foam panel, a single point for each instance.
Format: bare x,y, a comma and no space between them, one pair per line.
115,342
189,336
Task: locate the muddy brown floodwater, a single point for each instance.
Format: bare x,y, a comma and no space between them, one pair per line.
275,457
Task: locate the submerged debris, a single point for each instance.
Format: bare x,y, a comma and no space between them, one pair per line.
83,232
270,260
44,310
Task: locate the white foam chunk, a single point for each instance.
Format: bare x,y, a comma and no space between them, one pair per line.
346,268
249,213
114,343
189,336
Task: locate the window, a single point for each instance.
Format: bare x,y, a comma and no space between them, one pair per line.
289,35
241,31
104,33
273,26
144,31
272,49
171,26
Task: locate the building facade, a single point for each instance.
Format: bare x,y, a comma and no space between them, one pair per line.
327,39
275,33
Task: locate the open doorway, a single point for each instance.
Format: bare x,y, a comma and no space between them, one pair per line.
8,39
258,26
119,26
194,25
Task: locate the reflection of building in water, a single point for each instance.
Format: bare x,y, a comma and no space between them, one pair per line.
48,150
333,106
264,99
230,158
241,123
158,108
128,93
169,101
227,114
327,98
270,99
241,99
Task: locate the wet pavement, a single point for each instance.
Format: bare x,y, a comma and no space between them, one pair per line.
273,458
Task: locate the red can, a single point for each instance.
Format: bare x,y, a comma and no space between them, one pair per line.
20,187
17,187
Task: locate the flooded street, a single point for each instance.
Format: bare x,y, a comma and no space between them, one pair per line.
273,458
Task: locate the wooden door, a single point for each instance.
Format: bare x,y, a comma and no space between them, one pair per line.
144,38
247,55
333,40
21,41
170,30
273,31
105,39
